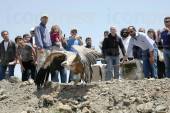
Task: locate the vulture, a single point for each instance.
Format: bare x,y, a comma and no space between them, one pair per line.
78,62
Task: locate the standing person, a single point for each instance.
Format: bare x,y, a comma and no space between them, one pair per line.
151,34
165,37
125,39
110,50
57,41
147,45
27,58
106,33
160,61
7,55
42,41
28,39
88,41
142,30
56,36
74,39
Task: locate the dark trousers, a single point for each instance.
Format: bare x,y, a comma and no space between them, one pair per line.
29,69
3,69
63,75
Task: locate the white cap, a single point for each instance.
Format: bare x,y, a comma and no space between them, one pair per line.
44,16
32,29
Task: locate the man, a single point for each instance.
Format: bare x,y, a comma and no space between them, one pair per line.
7,55
42,41
28,39
110,50
142,30
27,58
165,36
74,39
89,43
147,45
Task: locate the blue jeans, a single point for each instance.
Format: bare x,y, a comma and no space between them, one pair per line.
167,62
63,76
150,69
112,64
3,69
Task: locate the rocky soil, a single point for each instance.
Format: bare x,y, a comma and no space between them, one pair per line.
125,96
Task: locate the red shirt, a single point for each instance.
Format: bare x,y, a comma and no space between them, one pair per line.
55,37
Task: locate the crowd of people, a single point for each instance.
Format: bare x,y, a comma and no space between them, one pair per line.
150,49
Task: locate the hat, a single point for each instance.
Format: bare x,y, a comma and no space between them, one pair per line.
32,29
26,36
44,16
17,38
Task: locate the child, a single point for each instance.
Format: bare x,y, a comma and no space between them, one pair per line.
27,58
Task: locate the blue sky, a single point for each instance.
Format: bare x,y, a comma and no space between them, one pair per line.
90,17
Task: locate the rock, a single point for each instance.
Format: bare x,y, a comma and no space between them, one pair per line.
160,108
109,108
31,111
139,100
85,97
109,82
126,102
83,104
2,91
64,108
14,79
47,100
30,82
2,97
145,108
132,99
23,84
86,110
43,110
158,88
24,112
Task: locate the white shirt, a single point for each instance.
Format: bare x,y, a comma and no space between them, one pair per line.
5,45
141,40
126,44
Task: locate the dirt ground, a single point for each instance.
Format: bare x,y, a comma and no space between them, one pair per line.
117,96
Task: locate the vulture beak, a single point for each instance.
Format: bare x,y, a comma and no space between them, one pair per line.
64,63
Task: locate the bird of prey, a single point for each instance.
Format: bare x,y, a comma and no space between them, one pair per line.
78,62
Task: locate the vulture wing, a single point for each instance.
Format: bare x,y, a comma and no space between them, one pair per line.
87,55
57,57
87,58
53,62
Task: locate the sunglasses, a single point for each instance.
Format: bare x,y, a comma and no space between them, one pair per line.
167,21
130,31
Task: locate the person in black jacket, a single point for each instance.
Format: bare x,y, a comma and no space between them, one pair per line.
7,55
110,50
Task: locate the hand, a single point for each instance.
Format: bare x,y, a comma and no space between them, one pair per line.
41,50
151,60
78,37
167,29
35,62
125,58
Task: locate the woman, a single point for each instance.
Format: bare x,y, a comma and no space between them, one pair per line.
57,40
56,36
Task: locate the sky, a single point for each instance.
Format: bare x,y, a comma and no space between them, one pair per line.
90,17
